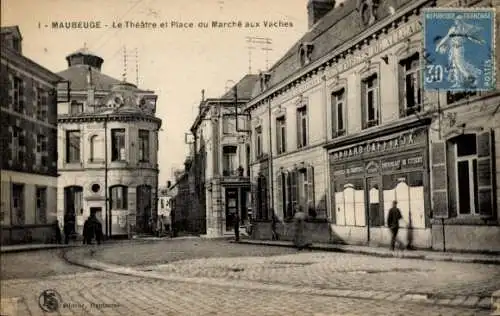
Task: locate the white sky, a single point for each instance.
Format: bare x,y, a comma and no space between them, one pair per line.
175,63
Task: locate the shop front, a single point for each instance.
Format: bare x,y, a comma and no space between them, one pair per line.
366,178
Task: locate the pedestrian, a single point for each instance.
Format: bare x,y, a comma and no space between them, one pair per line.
98,231
68,229
299,218
393,219
87,232
58,232
152,226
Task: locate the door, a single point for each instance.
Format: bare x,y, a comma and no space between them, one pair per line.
231,208
143,215
374,215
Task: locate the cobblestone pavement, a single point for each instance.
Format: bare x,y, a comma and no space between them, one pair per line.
347,271
101,293
49,262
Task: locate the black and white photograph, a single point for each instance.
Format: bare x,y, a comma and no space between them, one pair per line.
265,157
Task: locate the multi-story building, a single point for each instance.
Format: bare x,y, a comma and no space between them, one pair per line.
28,144
330,138
221,153
108,162
164,204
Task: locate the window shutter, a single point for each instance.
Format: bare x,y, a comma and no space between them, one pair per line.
265,198
278,133
363,104
401,89
279,191
485,173
439,180
311,207
333,119
254,201
298,127
287,191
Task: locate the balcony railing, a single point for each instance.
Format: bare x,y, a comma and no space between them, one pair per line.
240,172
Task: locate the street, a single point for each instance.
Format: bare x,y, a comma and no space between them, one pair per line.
203,277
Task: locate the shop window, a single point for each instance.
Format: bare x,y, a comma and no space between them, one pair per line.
302,127
118,145
370,101
118,197
281,135
410,85
408,190
73,146
338,113
296,190
350,202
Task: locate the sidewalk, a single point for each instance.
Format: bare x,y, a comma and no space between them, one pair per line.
33,247
384,252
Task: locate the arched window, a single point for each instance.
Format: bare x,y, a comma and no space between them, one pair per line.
96,148
118,197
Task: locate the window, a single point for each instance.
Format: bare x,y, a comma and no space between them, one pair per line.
96,148
118,145
41,104
453,97
296,190
41,205
261,198
41,150
338,113
370,101
467,174
302,127
18,95
16,44
228,124
281,135
258,142
18,203
118,197
143,145
75,107
18,144
73,146
229,162
410,88
162,203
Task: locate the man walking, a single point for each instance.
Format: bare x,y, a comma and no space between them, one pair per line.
393,222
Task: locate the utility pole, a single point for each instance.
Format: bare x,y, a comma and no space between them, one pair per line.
264,43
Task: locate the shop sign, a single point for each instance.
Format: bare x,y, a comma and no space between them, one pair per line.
398,142
397,164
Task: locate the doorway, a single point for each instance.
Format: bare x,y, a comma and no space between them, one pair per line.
98,213
373,210
231,208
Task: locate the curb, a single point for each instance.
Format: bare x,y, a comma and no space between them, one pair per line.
476,302
37,248
401,255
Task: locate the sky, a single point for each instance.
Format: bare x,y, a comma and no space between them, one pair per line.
177,63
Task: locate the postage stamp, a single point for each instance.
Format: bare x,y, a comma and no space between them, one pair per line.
459,49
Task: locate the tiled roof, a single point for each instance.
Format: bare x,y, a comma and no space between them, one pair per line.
337,27
244,87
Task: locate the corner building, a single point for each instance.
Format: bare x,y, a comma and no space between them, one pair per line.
341,127
108,158
28,144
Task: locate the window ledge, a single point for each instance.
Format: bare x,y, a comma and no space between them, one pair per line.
467,220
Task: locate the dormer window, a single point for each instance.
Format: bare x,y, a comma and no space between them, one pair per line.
264,80
305,53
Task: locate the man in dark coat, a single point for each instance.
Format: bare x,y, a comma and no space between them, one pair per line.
393,222
69,225
58,232
87,232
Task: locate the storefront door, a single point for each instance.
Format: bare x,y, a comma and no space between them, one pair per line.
231,208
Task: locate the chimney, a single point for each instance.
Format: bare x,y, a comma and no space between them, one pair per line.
90,90
317,9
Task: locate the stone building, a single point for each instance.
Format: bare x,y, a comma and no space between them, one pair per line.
330,138
28,144
164,204
108,158
221,157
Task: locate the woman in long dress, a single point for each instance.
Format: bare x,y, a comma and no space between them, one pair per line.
461,71
300,240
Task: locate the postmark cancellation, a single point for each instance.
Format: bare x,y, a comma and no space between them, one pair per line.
459,49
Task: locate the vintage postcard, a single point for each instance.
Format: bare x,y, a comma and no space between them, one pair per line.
248,158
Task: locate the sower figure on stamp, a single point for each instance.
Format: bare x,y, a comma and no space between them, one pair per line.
393,223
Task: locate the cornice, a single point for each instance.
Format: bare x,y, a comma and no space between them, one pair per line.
319,65
115,117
